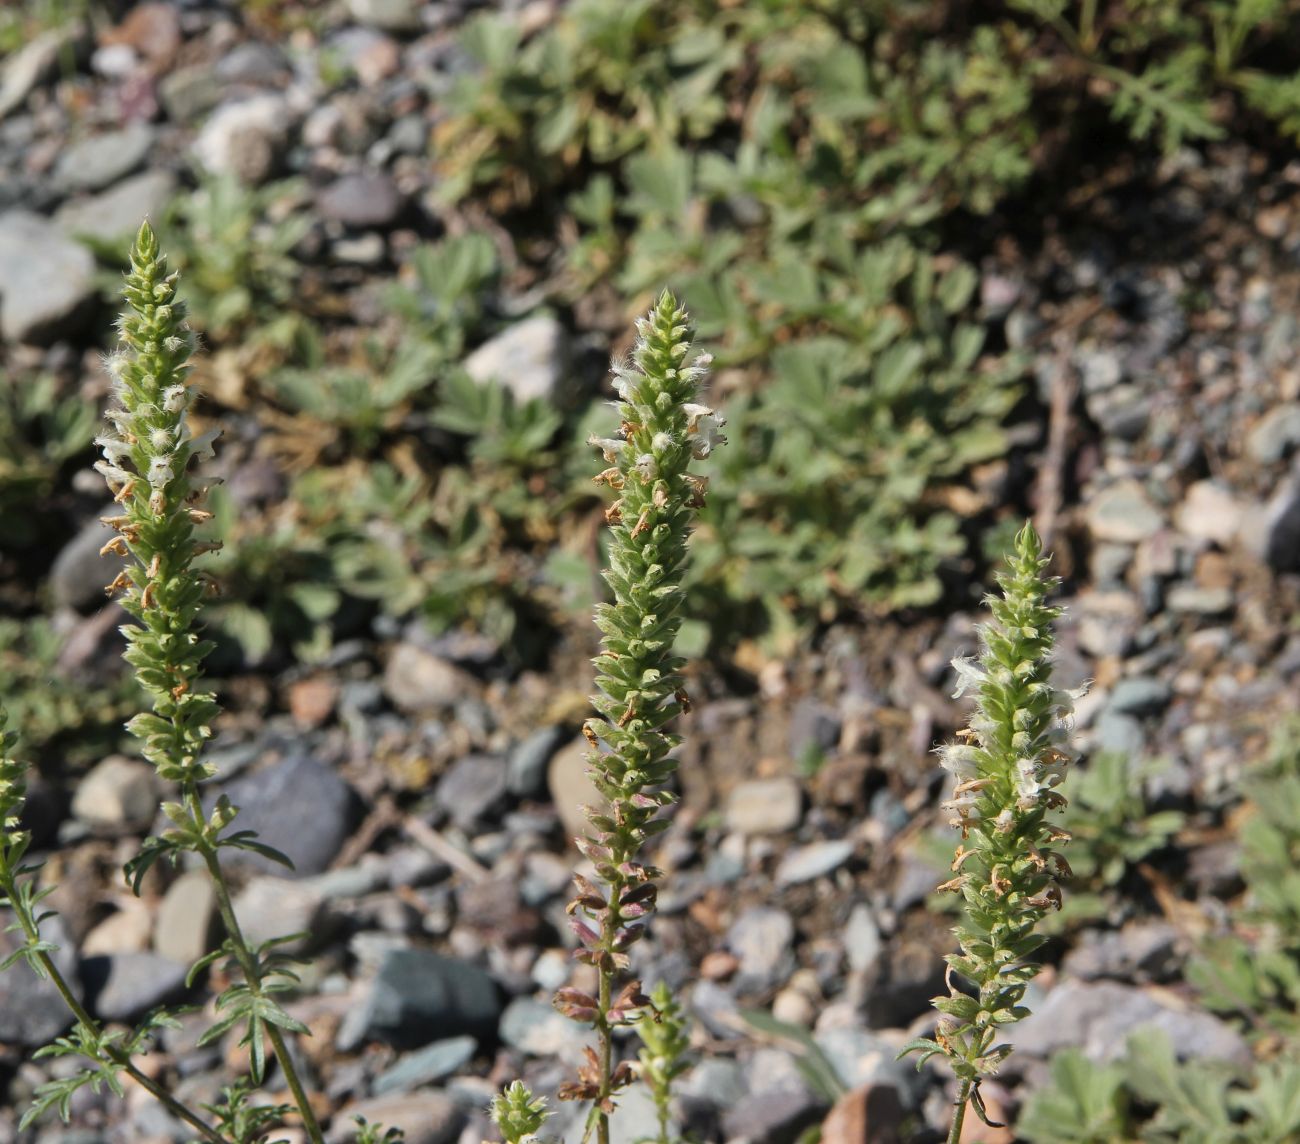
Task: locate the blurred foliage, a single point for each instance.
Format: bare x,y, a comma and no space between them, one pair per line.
40,431
1253,970
1150,1095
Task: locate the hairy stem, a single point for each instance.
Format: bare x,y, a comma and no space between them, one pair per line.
959,1112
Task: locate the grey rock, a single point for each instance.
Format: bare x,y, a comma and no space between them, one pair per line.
125,986
1139,695
1274,435
1100,369
189,92
416,681
417,997
762,938
270,907
1119,733
298,806
916,877
537,1028
764,806
31,1010
717,1011
387,15
570,787
1109,562
814,727
779,1107
634,1113
362,200
184,927
246,139
426,1066
1141,950
254,62
99,161
117,796
116,213
29,67
529,358
423,1117
47,281
472,788
1099,1016
1107,622
1124,513
1122,412
804,863
526,761
79,574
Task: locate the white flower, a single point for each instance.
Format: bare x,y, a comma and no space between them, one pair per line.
160,439
173,398
661,442
115,450
609,447
969,674
201,446
160,472
960,760
647,467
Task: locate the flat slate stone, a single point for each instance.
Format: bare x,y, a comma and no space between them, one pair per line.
125,986
31,1011
47,281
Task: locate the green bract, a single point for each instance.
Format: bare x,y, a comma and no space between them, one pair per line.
1007,768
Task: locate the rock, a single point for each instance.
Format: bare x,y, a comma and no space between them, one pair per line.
254,63
1272,533
79,574
125,986
189,92
362,200
416,681
472,787
29,67
1192,599
530,359
1124,513
1143,950
526,762
423,1117
804,863
47,281
151,30
763,939
417,997
126,930
537,1028
32,1012
1274,435
764,806
1209,512
1139,695
117,796
245,139
862,941
1108,622
570,787
1119,733
910,973
872,1114
1098,1017
298,806
270,907
635,1113
185,926
779,1106
387,15
99,161
426,1066
116,213
814,729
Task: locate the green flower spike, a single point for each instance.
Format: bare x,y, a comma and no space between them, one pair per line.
145,463
641,689
518,1115
1008,768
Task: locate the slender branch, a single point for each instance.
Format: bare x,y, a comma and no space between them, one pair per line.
959,1112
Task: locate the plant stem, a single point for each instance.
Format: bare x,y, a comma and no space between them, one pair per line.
110,1052
959,1112
248,964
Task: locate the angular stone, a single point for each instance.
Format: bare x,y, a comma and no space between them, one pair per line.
417,681
32,1012
472,788
1124,513
270,907
1139,695
388,15
184,927
873,1113
570,787
1209,512
245,139
116,213
299,807
529,359
764,806
763,939
99,161
26,69
1274,435
426,1066
537,1028
1271,532
527,760
423,1117
47,281
419,996
362,200
117,796
125,986
804,863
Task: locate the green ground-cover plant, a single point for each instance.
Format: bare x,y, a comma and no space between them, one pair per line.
1007,766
